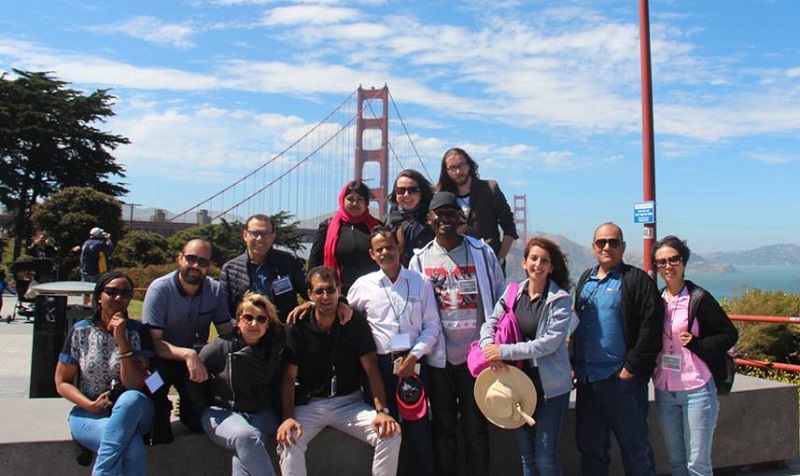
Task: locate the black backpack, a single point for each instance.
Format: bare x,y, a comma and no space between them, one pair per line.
724,371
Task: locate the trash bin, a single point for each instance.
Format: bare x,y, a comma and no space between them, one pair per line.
49,332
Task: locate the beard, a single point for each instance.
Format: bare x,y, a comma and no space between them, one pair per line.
192,276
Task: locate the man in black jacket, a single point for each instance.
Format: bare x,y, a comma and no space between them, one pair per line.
264,270
616,345
483,203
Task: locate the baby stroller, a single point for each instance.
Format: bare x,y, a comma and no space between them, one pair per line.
22,270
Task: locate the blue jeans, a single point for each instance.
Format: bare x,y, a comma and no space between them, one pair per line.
246,434
688,420
538,445
416,450
117,439
451,392
618,405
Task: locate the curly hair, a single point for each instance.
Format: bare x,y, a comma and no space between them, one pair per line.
560,262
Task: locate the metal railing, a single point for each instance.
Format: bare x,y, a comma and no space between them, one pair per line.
761,364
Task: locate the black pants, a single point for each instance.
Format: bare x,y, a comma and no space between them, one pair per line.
450,391
173,373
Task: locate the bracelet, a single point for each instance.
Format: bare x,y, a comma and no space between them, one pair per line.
126,355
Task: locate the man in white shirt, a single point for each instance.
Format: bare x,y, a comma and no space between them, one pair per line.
402,312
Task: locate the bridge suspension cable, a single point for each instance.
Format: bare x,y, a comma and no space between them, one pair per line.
274,158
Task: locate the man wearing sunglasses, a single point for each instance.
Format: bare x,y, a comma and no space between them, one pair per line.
179,309
616,345
262,269
321,385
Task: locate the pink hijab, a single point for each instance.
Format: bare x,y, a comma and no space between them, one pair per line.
341,215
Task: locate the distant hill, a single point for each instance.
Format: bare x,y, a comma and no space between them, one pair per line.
771,255
581,258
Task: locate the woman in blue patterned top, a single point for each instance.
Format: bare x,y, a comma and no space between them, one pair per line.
109,355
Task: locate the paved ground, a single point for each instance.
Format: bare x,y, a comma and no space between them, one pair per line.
45,419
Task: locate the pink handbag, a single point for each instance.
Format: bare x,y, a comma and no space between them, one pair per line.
506,332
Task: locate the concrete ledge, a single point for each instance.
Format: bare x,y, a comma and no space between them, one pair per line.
758,424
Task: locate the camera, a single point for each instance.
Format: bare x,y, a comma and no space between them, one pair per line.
115,391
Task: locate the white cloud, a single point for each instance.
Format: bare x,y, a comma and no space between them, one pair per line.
308,14
150,29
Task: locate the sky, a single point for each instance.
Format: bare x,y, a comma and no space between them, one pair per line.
545,96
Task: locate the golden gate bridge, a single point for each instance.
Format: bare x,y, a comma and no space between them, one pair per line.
304,179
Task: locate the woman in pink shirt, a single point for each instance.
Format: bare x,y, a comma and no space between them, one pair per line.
690,359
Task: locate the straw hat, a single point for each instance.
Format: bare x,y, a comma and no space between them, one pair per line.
506,397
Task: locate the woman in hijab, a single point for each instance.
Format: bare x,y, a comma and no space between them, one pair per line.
342,243
109,355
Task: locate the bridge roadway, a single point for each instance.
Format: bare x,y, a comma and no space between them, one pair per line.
757,434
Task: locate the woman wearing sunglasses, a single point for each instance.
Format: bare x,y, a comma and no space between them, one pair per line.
686,396
242,389
408,211
108,356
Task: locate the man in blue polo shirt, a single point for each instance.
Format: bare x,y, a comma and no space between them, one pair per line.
616,345
179,309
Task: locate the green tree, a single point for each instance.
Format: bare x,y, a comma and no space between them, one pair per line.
49,141
226,238
141,248
286,231
67,217
767,341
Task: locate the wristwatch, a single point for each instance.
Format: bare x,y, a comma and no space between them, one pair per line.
384,410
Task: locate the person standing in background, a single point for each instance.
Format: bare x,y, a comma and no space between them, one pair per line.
483,203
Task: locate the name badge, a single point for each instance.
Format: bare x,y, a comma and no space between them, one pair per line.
281,286
400,342
671,362
468,286
154,382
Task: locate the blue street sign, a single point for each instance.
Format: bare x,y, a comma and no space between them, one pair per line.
644,212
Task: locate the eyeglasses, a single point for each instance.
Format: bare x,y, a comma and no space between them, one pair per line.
259,233
612,242
405,190
114,292
456,167
198,260
249,318
320,291
673,260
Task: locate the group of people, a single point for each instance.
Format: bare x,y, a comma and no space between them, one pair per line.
379,350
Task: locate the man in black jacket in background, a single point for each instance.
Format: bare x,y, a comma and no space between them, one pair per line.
264,270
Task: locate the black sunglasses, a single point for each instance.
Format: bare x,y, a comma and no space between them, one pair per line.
404,190
320,291
114,292
248,318
674,260
612,242
198,260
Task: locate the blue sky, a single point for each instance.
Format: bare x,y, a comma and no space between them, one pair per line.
543,94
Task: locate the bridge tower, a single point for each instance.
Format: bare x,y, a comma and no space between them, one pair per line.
521,217
380,156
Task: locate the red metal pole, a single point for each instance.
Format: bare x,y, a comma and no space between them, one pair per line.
648,150
778,319
767,365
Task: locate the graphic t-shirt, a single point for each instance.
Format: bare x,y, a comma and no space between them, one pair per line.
452,275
